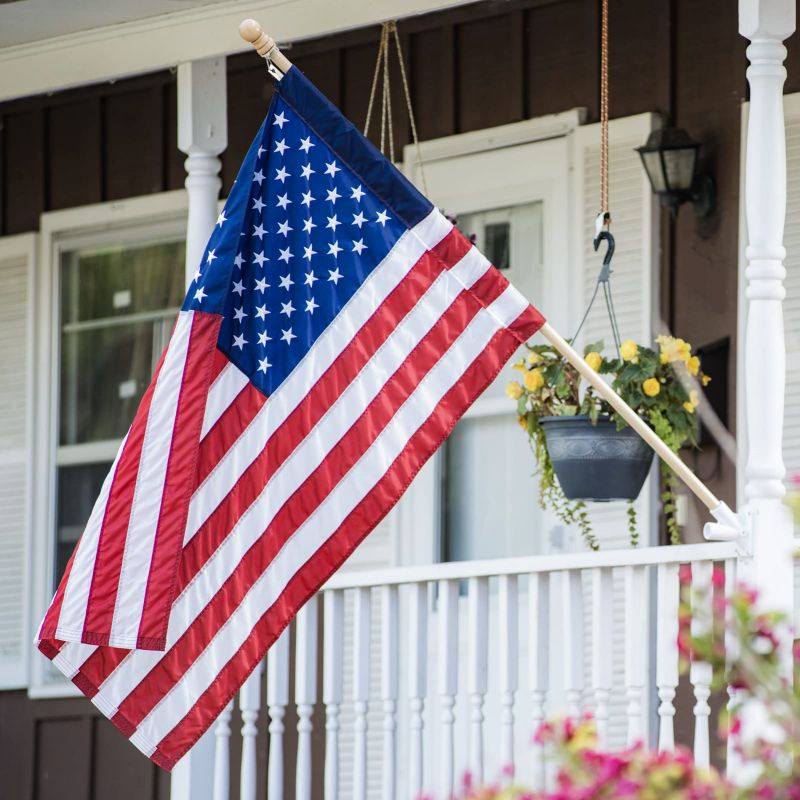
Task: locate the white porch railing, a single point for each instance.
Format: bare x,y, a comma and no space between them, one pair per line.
428,671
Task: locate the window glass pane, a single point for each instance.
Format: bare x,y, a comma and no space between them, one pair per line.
78,487
497,244
122,280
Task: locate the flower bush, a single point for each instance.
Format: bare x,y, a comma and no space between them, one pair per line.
655,382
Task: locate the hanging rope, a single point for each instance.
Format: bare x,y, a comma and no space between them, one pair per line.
381,75
604,207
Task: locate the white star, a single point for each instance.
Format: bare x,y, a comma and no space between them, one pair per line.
258,204
238,288
239,341
311,304
281,174
333,195
285,255
280,119
239,314
286,281
359,219
261,312
287,308
331,169
238,260
259,258
310,278
308,225
200,295
210,257
261,285
261,151
263,338
308,252
281,146
258,177
287,336
334,249
307,198
283,200
263,364
284,228
332,223
197,275
382,217
221,219
335,276
359,246
259,230
307,172
306,144
357,193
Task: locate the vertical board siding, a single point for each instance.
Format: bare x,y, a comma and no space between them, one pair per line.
23,170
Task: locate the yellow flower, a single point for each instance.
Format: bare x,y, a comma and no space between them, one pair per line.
693,364
534,358
688,407
534,380
651,387
706,379
673,349
514,390
520,365
691,404
629,350
594,360
523,423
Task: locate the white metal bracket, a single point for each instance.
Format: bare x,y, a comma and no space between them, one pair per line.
730,527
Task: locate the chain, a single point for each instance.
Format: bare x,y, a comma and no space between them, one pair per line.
604,208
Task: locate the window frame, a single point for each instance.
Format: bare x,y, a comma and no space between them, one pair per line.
133,220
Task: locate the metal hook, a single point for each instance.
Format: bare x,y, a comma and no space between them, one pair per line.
605,272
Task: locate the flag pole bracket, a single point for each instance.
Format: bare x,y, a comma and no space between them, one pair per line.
277,63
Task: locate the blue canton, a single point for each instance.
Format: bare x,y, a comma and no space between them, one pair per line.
300,232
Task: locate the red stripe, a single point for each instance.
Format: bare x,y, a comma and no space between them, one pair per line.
332,554
50,623
179,481
219,362
300,506
113,533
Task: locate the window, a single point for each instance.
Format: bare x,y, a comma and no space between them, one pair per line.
117,307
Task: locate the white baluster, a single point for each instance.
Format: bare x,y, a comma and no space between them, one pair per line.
361,642
249,705
332,689
222,753
572,608
508,618
733,759
389,670
700,672
305,693
602,651
538,662
448,679
667,657
277,700
636,605
417,681
477,668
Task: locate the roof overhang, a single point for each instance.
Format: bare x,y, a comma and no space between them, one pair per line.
130,48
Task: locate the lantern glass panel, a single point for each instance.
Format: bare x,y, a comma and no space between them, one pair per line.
652,163
679,167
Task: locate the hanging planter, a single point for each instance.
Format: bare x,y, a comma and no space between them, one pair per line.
596,461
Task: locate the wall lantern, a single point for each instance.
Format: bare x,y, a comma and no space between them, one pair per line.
670,161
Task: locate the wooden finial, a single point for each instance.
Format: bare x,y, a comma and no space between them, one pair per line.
265,45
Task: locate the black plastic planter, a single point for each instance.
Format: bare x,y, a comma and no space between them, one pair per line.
596,462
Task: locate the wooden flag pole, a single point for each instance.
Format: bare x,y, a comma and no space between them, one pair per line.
730,527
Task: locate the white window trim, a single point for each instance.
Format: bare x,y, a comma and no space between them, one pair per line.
132,219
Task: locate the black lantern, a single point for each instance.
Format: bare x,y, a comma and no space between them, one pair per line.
670,160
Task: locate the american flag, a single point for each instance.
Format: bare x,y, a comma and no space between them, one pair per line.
335,331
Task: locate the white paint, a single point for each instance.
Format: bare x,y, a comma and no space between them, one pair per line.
305,693
249,705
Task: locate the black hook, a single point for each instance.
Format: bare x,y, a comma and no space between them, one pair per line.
605,272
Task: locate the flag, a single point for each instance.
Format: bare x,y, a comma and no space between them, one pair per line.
335,331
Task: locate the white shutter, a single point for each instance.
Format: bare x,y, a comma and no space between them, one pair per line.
16,401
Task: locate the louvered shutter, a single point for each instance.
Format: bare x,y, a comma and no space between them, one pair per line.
16,401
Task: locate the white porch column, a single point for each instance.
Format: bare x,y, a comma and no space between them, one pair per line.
766,23
202,135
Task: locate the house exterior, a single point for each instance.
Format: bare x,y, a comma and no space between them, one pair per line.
93,221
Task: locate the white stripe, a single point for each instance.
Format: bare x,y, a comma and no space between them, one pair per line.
312,534
302,462
408,249
222,393
79,582
149,489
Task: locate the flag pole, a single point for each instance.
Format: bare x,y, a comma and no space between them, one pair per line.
729,526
